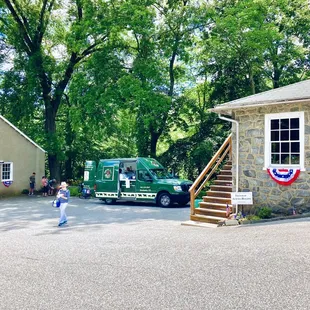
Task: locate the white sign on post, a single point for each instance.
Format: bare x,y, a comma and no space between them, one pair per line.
242,198
127,182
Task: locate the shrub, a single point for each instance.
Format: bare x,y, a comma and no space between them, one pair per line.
265,213
25,191
73,191
74,182
252,217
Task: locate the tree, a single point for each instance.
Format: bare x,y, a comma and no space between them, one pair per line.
53,39
252,46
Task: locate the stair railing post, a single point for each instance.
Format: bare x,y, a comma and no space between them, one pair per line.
192,201
192,190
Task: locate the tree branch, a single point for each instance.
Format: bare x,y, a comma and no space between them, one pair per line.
38,33
92,48
22,28
20,12
79,9
64,82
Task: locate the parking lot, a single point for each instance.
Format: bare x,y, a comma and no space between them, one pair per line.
139,256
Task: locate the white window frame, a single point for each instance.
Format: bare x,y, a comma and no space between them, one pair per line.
268,118
11,171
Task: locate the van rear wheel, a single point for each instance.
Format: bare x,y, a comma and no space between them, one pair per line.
164,200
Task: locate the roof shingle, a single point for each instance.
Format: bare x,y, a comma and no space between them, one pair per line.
295,92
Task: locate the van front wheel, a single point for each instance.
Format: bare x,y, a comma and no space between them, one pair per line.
164,200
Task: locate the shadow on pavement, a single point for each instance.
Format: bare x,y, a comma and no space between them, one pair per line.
24,212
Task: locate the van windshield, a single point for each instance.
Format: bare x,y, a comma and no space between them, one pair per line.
160,174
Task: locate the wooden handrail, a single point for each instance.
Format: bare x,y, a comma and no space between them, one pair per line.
217,158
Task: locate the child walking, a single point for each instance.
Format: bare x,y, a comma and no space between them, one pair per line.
63,195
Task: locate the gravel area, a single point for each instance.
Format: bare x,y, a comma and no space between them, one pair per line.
139,256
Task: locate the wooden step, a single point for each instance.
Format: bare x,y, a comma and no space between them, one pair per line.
212,205
219,200
223,182
211,212
227,167
224,177
219,194
206,218
221,188
225,172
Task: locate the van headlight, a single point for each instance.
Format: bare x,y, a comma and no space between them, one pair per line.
177,188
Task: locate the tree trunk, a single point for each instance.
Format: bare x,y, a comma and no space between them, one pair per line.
252,81
53,165
277,71
68,168
50,131
154,139
69,141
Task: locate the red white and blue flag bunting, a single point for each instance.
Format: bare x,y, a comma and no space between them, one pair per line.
7,183
284,176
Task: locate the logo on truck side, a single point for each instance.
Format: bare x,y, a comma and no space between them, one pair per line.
108,174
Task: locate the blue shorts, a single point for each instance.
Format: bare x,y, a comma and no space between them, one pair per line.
32,185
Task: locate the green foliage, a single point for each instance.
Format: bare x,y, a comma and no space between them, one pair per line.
73,191
264,213
100,79
252,217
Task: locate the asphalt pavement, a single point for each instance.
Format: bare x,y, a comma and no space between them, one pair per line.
139,256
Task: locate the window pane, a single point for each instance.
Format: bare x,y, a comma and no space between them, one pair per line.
295,135
285,159
295,147
284,135
275,124
275,147
285,123
295,159
6,171
275,136
285,147
275,158
294,123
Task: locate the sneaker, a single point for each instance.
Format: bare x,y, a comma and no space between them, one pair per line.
60,224
65,222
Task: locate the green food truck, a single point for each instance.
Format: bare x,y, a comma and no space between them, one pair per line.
136,179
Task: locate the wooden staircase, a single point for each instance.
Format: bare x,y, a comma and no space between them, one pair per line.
213,207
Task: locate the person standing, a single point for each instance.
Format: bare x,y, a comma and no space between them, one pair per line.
32,183
51,187
63,195
44,186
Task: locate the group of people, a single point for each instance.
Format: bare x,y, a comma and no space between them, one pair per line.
127,174
49,187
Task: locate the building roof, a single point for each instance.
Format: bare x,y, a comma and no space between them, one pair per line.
21,133
293,93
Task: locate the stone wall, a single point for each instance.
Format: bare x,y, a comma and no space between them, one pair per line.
252,176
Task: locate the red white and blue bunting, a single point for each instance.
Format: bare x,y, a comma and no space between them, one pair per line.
7,183
284,176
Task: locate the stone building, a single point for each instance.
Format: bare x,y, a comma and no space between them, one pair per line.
19,158
273,130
